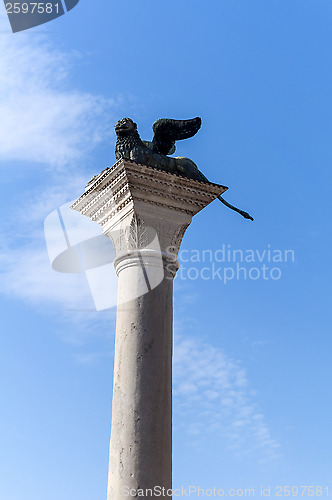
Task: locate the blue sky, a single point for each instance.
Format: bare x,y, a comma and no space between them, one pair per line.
252,370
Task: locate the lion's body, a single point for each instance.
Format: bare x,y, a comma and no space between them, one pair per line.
130,146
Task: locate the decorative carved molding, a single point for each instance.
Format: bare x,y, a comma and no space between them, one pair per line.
136,234
177,240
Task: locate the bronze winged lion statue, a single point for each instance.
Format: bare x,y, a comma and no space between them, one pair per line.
129,146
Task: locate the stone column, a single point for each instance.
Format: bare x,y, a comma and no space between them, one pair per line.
145,211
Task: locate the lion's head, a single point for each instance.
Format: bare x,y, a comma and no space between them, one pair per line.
125,127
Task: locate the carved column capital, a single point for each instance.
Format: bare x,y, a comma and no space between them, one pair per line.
144,210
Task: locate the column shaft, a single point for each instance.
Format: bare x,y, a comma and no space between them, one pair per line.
141,434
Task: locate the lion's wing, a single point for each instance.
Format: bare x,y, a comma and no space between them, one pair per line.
167,131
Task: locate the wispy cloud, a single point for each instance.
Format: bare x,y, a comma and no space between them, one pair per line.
213,400
43,119
92,358
26,273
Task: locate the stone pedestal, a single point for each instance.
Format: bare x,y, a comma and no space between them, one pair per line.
145,211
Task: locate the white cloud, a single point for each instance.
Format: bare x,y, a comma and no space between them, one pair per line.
211,391
42,119
26,274
25,269
42,201
92,358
